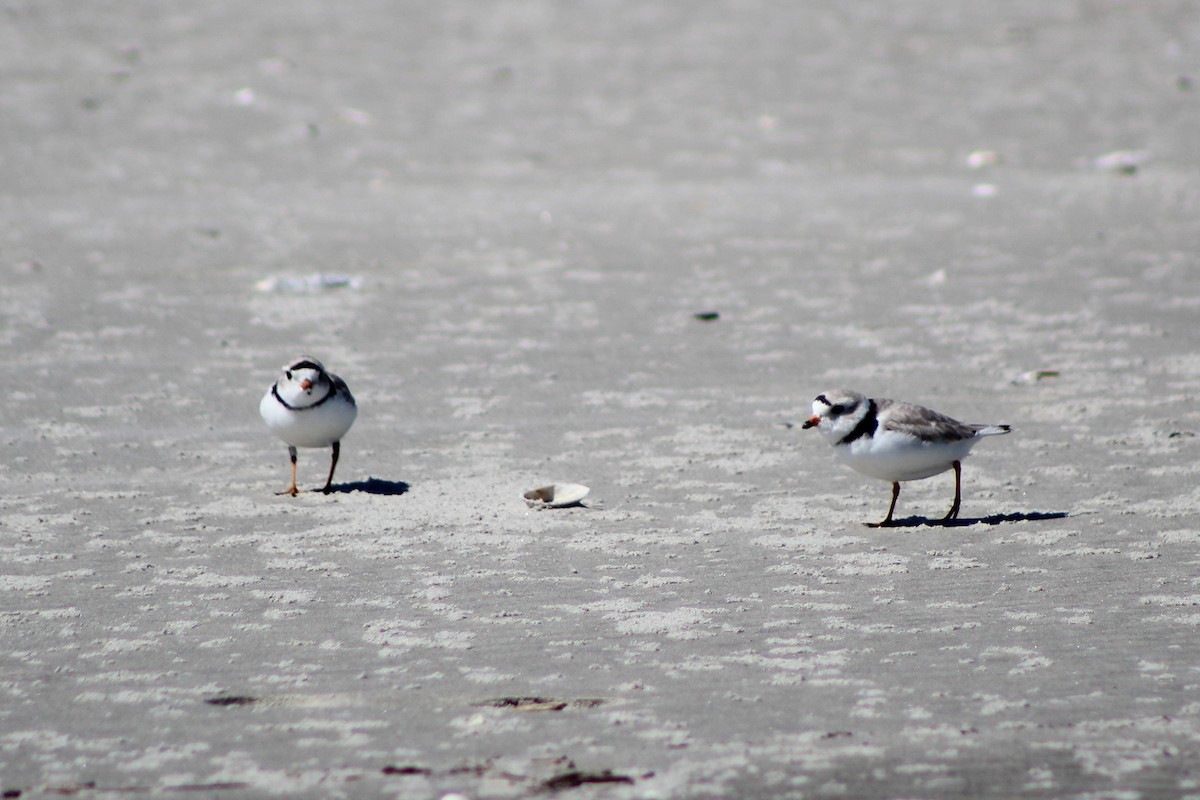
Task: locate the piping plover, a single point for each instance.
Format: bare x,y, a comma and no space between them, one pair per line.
896,441
309,407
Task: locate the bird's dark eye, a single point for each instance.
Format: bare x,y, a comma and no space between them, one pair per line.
288,373
837,409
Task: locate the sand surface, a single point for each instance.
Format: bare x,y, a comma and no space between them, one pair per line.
514,210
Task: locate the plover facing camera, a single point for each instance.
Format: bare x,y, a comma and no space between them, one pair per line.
895,441
309,407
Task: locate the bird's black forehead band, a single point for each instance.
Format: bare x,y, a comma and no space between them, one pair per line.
305,365
822,399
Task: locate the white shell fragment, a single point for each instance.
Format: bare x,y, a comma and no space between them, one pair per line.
308,284
983,158
558,495
1033,376
1126,162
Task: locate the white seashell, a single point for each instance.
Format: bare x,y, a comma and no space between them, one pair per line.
983,158
1033,376
1125,162
317,282
558,495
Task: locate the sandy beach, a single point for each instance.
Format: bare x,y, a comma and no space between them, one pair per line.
499,222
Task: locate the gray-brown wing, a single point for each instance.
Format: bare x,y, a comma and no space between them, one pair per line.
339,385
924,423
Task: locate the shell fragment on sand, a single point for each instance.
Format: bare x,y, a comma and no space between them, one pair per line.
307,284
558,495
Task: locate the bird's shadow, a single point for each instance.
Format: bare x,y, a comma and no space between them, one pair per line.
371,486
994,519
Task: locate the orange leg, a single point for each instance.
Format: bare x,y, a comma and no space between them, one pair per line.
887,521
957,493
337,449
291,490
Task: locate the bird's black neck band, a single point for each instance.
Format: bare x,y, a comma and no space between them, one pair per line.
866,426
290,407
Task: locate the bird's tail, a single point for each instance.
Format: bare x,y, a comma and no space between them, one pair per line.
993,430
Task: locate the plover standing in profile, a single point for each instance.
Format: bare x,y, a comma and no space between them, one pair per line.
896,441
309,407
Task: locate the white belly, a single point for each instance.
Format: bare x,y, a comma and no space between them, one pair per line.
903,458
313,427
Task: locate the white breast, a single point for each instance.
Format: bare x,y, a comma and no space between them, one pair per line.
892,456
319,426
